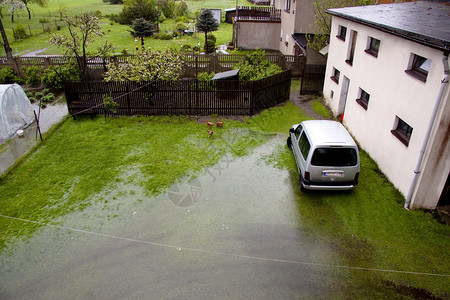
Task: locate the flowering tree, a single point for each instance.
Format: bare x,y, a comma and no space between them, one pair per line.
82,29
147,66
13,6
322,23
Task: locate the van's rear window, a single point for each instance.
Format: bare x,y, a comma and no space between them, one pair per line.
339,157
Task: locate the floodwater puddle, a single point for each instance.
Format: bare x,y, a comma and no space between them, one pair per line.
232,231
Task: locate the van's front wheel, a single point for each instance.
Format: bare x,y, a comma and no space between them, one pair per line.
289,143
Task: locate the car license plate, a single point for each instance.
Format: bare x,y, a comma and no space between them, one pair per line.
333,174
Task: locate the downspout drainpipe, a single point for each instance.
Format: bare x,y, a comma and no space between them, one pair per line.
417,170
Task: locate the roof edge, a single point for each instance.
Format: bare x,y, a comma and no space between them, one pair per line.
415,37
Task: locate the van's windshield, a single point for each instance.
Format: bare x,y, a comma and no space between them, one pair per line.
339,157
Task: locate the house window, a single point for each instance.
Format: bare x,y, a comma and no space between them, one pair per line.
342,33
402,131
351,49
336,75
288,6
363,98
373,46
418,67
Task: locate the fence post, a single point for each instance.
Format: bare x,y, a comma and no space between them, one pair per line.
128,98
252,98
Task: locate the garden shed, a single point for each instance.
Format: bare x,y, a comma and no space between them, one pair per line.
16,111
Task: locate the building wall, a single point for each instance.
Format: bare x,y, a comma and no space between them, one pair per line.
436,164
262,35
299,18
392,93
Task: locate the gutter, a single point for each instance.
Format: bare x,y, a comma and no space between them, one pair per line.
439,97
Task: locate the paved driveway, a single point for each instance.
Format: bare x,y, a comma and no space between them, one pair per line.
234,232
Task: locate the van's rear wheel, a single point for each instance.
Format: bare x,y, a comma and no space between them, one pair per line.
289,143
300,183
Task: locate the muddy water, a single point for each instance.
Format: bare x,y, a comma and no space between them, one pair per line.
231,232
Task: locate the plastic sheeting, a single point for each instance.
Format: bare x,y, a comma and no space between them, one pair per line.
16,111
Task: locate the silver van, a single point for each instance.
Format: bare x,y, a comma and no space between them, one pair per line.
327,156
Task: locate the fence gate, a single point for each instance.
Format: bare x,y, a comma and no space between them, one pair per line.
312,80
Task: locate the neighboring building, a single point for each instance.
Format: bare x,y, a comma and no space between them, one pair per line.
383,77
283,27
297,20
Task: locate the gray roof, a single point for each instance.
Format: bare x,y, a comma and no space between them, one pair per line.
226,75
424,22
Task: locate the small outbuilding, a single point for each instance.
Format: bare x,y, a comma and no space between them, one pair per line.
16,111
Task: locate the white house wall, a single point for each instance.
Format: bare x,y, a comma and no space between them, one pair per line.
392,93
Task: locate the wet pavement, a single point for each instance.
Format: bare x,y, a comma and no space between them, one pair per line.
233,232
15,148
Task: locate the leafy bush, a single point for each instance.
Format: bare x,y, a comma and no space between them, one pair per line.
55,76
19,32
211,37
7,75
33,74
186,48
167,7
181,9
211,46
163,36
136,9
38,95
43,20
98,14
204,76
49,98
182,19
256,67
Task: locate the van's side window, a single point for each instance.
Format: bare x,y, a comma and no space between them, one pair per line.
298,130
304,145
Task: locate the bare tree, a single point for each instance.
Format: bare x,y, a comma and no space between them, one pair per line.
82,30
42,3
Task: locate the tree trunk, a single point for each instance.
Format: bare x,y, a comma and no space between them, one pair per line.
206,42
29,13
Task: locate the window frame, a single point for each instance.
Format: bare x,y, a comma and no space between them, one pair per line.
287,6
352,47
363,98
334,77
402,130
342,33
371,48
415,69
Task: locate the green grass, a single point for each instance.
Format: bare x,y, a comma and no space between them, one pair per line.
115,33
321,109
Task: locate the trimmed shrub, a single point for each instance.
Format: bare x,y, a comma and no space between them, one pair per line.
211,46
33,74
55,79
7,75
19,32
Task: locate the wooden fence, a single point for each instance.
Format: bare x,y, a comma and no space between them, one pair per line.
215,62
183,97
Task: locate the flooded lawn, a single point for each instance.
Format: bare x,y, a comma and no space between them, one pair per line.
236,231
232,232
